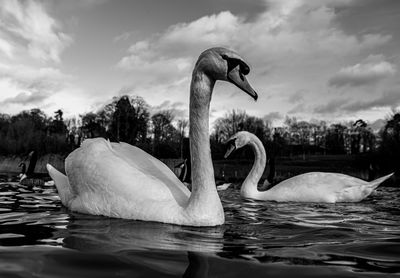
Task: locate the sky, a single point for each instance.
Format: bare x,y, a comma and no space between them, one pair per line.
331,60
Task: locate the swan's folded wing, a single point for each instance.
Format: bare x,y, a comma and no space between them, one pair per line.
317,187
335,187
149,165
111,170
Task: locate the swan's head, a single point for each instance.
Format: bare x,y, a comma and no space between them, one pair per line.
220,63
237,141
22,165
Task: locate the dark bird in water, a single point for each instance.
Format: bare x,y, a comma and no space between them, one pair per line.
28,176
184,175
269,182
22,165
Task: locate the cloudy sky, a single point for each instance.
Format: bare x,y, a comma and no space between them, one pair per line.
331,60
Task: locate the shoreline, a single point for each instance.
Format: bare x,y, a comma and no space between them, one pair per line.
230,169
335,163
10,163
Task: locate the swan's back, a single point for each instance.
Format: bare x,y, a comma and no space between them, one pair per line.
324,187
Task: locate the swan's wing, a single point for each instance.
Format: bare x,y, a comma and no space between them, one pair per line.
317,187
325,187
147,164
99,170
355,190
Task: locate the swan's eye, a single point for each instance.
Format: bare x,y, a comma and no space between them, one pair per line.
244,68
231,142
234,62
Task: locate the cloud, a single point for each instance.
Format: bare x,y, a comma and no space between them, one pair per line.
30,79
163,70
370,71
29,26
273,116
25,87
169,56
31,45
178,109
285,41
122,37
26,98
6,47
388,99
298,108
377,125
184,39
91,2
331,106
296,98
287,30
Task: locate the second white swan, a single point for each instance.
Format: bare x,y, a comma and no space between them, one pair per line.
318,187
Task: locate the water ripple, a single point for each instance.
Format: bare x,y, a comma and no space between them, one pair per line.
360,237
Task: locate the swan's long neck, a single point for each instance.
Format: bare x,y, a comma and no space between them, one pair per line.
204,201
249,186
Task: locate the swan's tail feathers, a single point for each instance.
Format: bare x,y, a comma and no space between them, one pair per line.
375,183
62,184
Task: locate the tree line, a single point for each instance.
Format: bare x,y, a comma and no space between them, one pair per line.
32,130
128,119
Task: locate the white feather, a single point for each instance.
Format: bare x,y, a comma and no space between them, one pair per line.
309,187
120,180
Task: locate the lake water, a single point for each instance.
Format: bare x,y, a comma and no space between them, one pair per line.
40,238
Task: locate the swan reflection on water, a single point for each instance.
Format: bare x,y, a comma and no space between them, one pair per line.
86,232
135,242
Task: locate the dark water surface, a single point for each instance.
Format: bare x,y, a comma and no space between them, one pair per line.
40,238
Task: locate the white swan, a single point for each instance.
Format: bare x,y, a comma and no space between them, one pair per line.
120,180
309,187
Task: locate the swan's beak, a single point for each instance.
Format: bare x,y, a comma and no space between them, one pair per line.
230,149
238,78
